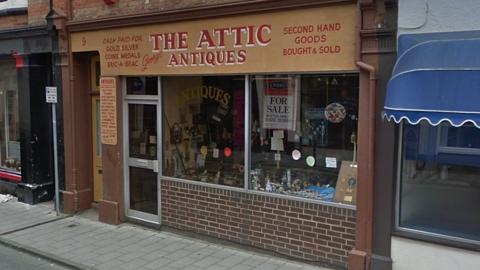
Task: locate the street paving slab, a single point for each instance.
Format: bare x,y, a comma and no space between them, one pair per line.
17,216
12,259
82,243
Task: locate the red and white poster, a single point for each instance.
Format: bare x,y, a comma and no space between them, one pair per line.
280,100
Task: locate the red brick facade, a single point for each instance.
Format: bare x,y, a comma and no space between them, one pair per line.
38,10
13,21
90,9
304,230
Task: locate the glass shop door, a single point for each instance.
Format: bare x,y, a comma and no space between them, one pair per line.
142,181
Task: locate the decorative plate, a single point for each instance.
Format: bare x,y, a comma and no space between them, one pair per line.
335,112
310,161
296,155
227,151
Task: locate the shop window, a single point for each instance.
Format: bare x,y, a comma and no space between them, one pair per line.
439,191
303,136
9,119
203,128
142,85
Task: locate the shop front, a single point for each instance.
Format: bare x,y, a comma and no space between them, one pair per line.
238,127
26,167
438,189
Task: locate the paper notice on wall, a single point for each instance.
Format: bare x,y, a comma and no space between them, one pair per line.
279,110
108,110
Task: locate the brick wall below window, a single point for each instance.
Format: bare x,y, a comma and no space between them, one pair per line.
304,230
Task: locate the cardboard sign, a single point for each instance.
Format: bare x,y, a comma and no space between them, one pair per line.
108,110
346,189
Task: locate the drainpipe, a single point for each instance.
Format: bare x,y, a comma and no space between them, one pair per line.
360,256
55,28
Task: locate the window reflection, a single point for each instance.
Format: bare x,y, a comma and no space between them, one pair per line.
440,187
9,118
203,127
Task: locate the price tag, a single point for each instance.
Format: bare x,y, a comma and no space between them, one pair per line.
216,153
331,162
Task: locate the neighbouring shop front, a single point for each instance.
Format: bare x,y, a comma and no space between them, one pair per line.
434,101
26,155
242,128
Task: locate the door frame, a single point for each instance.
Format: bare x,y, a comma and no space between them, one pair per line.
131,214
94,94
96,146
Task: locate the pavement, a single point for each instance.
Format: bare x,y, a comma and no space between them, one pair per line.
79,242
12,259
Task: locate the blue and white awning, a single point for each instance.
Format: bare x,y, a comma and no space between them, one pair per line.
437,79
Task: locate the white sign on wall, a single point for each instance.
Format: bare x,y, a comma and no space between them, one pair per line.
51,94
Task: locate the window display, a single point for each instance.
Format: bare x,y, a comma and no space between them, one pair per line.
303,129
439,183
9,119
203,128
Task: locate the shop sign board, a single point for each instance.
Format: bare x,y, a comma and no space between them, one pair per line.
108,110
313,39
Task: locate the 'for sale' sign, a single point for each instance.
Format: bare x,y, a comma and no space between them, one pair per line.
279,110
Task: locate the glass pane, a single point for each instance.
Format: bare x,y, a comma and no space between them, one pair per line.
142,131
440,192
303,131
9,118
467,136
143,190
204,128
142,85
